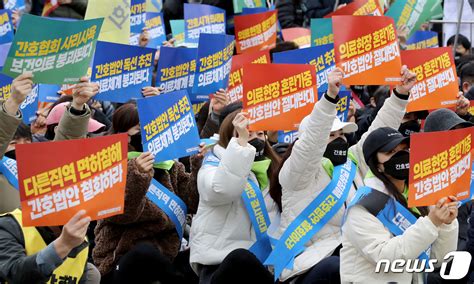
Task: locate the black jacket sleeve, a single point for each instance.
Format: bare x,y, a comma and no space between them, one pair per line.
287,12
15,266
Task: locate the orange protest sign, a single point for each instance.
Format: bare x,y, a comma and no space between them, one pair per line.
439,169
300,36
235,89
57,179
436,77
280,99
255,32
359,8
367,50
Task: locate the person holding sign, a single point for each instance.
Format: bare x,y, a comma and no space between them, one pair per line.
229,238
10,119
391,230
144,241
314,182
47,254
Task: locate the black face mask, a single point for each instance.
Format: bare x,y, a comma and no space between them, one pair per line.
11,154
259,145
136,142
407,128
398,166
336,151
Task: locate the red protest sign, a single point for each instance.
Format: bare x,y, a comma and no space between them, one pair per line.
359,8
235,89
57,179
367,50
280,99
436,78
439,169
255,32
300,36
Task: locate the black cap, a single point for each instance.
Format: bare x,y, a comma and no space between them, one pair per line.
383,139
444,119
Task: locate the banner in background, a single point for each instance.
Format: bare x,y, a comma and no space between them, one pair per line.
6,27
256,31
156,29
422,39
154,6
116,16
359,8
201,18
239,5
321,32
137,16
177,28
300,36
87,174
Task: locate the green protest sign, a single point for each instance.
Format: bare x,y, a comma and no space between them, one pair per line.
57,52
177,29
240,4
413,13
321,32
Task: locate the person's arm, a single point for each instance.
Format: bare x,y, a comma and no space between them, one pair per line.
225,183
375,242
300,169
139,175
217,104
390,115
75,120
15,265
286,13
10,114
80,6
446,242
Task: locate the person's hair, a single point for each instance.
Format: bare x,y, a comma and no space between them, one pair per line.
226,132
283,46
124,118
392,189
275,186
462,40
23,131
467,73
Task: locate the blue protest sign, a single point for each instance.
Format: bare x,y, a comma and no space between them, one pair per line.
422,39
287,136
6,27
49,93
343,105
322,57
9,169
137,16
14,4
4,49
200,18
121,71
168,128
256,10
214,62
156,29
29,107
176,69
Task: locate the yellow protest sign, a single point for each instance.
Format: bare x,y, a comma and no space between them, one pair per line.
116,14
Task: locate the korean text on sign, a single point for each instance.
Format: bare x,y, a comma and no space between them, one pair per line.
92,178
440,170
